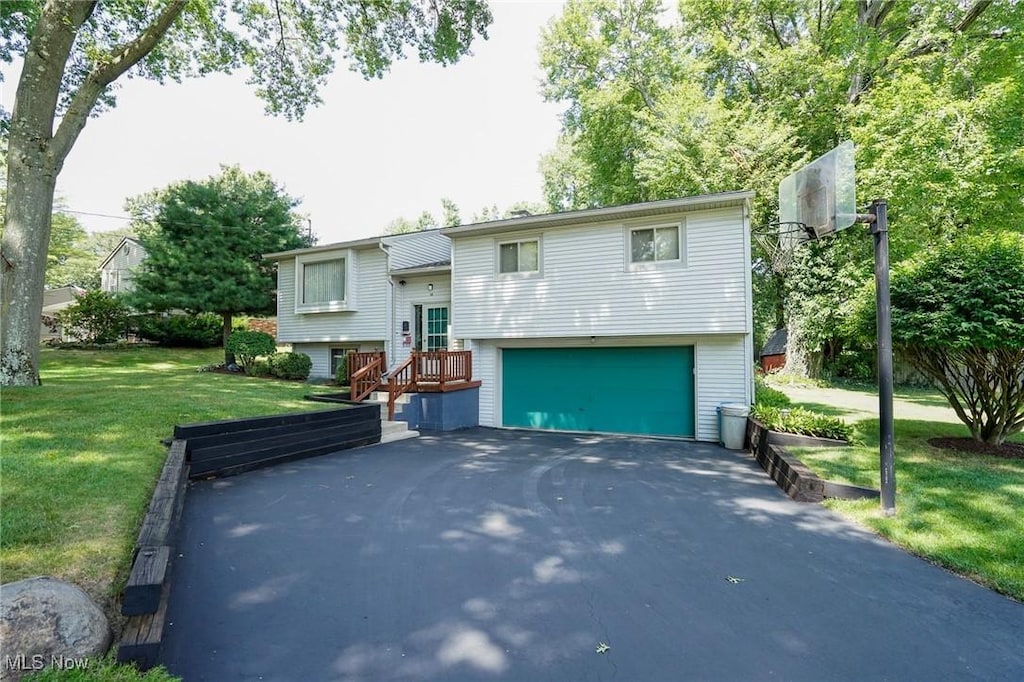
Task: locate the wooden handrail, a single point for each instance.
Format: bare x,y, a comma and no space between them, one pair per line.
366,380
400,381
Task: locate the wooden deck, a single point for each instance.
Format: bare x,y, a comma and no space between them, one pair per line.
437,371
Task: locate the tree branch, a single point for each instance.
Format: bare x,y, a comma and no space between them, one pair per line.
775,30
105,73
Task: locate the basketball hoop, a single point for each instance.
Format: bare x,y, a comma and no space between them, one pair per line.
779,241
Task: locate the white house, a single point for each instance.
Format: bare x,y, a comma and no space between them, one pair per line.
627,319
118,268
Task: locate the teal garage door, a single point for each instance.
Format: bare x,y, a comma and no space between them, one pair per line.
617,390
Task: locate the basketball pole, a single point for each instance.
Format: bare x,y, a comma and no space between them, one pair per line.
879,221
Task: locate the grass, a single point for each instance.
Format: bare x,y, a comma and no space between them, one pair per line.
956,509
81,454
101,670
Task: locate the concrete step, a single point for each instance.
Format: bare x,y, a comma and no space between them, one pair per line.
382,397
384,406
392,431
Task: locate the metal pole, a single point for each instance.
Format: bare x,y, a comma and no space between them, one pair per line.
880,231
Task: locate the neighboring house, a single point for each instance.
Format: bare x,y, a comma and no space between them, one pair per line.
773,354
627,319
54,301
117,270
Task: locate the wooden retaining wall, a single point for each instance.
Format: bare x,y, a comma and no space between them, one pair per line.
220,448
792,475
232,446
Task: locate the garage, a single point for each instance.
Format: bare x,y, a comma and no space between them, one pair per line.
643,390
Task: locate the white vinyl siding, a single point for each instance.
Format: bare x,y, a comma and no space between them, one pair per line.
720,363
588,288
723,376
417,249
366,278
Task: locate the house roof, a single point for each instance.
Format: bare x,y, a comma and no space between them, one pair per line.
369,242
113,251
624,212
60,298
776,343
441,265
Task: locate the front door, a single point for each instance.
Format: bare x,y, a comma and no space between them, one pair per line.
435,327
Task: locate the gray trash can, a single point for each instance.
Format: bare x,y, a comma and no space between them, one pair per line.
732,425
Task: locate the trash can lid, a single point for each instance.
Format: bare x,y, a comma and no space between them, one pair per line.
734,409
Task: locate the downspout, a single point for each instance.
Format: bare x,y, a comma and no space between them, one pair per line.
389,307
749,295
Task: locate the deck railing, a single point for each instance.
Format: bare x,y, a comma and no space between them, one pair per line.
439,368
365,371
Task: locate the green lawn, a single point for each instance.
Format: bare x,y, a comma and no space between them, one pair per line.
959,510
81,454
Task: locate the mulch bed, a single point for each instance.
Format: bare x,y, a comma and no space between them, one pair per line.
1007,450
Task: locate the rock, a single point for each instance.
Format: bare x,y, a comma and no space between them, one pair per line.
45,621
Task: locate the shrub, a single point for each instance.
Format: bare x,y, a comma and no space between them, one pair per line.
96,317
341,374
801,421
958,317
183,331
768,396
260,368
246,346
290,365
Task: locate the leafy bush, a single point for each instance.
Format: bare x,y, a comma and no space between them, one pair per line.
801,421
290,365
246,346
857,366
260,368
96,317
181,331
341,373
768,396
958,317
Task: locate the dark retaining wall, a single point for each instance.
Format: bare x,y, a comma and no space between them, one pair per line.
219,448
792,475
232,446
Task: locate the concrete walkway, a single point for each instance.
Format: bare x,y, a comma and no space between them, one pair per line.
497,555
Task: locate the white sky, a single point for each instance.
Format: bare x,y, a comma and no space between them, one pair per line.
374,151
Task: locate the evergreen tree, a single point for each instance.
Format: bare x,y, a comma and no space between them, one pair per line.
206,243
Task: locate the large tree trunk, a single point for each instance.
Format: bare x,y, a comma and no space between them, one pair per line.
26,237
33,162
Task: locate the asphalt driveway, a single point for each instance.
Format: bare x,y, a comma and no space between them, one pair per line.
496,555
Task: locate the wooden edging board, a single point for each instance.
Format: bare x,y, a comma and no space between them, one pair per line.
792,475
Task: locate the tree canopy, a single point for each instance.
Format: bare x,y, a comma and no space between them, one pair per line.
733,94
205,245
74,51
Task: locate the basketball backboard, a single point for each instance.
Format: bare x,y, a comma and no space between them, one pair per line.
820,196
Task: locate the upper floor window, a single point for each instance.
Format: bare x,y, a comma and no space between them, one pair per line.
655,244
519,256
322,282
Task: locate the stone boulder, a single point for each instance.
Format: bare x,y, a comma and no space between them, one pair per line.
45,621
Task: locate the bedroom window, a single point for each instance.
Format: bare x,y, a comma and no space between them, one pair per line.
520,256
